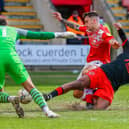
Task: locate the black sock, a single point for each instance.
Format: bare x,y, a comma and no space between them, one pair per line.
58,91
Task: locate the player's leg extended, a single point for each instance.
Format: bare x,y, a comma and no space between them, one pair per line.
5,98
80,84
77,93
38,98
86,94
20,75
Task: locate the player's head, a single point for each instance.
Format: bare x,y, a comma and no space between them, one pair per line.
75,15
3,21
91,20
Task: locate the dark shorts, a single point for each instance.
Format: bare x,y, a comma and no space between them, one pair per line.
99,80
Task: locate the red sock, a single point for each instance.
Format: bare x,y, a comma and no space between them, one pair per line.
59,90
88,98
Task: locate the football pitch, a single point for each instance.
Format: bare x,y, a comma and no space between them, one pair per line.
73,115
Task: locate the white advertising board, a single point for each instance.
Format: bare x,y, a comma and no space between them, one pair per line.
53,54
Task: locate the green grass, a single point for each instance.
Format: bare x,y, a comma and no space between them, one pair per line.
48,78
117,117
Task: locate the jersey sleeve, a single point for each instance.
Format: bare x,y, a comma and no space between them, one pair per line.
107,36
21,33
122,35
124,39
35,35
82,28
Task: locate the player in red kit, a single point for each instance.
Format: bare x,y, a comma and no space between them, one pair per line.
107,78
100,42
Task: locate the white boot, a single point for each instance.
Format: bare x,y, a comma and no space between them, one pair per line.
49,113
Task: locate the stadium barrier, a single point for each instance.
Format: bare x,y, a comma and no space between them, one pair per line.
53,56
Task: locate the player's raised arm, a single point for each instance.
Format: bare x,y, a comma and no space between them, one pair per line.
123,37
58,16
121,33
44,35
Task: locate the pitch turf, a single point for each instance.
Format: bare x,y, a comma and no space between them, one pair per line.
73,116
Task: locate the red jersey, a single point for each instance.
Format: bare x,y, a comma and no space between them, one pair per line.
99,44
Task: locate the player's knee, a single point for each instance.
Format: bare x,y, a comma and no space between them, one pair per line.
77,94
100,107
101,104
88,68
28,84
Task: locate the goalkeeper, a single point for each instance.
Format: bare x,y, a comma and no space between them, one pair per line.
10,63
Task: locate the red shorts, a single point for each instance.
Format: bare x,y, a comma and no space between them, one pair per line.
99,80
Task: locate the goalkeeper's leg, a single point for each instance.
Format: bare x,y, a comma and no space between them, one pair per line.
5,98
38,98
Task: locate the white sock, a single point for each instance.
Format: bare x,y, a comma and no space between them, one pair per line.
11,98
45,108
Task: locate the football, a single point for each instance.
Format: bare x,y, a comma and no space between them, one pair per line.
25,97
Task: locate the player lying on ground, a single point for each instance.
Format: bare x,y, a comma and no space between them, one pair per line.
106,78
10,63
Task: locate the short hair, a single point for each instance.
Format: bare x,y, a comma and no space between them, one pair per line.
91,14
3,21
75,12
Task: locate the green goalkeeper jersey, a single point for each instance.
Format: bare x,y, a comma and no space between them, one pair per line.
9,35
9,60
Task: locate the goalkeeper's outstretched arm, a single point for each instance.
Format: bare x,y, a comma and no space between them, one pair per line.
44,35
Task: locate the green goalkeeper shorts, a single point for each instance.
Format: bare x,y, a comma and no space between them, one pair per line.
10,63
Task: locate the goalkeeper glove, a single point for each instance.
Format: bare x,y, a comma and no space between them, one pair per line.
65,35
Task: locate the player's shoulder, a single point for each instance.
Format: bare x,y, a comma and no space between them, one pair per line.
82,27
10,27
103,31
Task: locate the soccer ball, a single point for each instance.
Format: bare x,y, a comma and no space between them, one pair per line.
25,97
